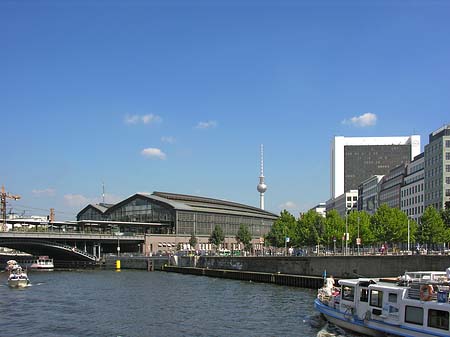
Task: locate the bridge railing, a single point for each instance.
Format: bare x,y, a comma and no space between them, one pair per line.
71,235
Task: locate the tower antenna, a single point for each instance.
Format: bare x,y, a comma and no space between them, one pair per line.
262,187
103,194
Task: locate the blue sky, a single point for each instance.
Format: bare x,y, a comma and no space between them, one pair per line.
177,96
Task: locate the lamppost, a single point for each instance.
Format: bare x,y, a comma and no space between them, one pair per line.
346,231
118,234
358,240
408,237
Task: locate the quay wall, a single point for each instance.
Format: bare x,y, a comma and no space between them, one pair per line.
339,266
137,262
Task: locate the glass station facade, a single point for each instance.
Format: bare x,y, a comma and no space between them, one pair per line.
176,214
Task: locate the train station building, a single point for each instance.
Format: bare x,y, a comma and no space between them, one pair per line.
168,220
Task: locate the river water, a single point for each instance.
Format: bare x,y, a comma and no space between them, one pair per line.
138,303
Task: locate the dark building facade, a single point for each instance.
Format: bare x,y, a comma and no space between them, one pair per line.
363,161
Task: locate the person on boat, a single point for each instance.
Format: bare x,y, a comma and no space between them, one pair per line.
329,285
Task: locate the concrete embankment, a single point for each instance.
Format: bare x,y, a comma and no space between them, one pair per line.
137,262
311,282
339,266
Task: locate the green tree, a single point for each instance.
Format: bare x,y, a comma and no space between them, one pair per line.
312,228
432,229
244,236
217,237
389,225
334,228
283,227
193,241
445,215
359,224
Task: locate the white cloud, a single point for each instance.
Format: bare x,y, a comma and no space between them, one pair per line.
168,139
206,125
152,152
76,200
47,192
367,119
145,119
80,201
289,205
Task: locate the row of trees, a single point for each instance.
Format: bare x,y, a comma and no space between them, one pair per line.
387,225
217,237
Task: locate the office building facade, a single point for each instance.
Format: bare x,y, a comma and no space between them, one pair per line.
437,169
412,191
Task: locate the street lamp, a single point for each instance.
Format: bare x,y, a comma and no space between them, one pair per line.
358,240
346,231
118,234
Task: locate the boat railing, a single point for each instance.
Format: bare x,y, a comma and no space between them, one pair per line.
430,290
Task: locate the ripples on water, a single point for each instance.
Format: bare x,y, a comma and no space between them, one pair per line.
138,303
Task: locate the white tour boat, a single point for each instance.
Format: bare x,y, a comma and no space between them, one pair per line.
414,305
18,278
43,262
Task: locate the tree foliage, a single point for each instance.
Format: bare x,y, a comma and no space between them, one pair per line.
193,241
244,236
432,228
217,236
283,227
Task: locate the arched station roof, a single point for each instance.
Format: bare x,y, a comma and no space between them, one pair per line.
184,202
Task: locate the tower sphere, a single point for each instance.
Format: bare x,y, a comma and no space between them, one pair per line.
261,187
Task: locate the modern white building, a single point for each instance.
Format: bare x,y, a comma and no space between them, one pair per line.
355,159
321,209
344,203
412,192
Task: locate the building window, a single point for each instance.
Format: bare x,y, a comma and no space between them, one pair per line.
447,192
447,180
447,143
447,155
447,168
438,319
414,315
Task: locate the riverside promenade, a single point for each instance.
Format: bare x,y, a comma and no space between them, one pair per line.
306,272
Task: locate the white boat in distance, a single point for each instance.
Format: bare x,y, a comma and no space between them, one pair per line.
18,278
414,305
43,262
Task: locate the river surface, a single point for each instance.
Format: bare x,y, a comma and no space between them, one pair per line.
138,303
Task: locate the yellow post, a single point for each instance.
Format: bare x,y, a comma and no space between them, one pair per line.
117,264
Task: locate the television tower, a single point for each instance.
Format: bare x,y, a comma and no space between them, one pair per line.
262,187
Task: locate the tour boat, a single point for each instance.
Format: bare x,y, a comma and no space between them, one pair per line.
43,262
414,305
18,278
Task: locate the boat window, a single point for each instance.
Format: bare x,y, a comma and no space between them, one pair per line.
413,315
348,293
392,298
438,319
376,298
364,295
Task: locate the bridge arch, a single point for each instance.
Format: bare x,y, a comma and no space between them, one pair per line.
54,249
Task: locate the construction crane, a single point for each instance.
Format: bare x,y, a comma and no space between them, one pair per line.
3,196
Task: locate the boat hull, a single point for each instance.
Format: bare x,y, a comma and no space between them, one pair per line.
337,318
18,283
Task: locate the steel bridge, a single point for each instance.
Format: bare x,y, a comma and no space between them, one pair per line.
72,246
